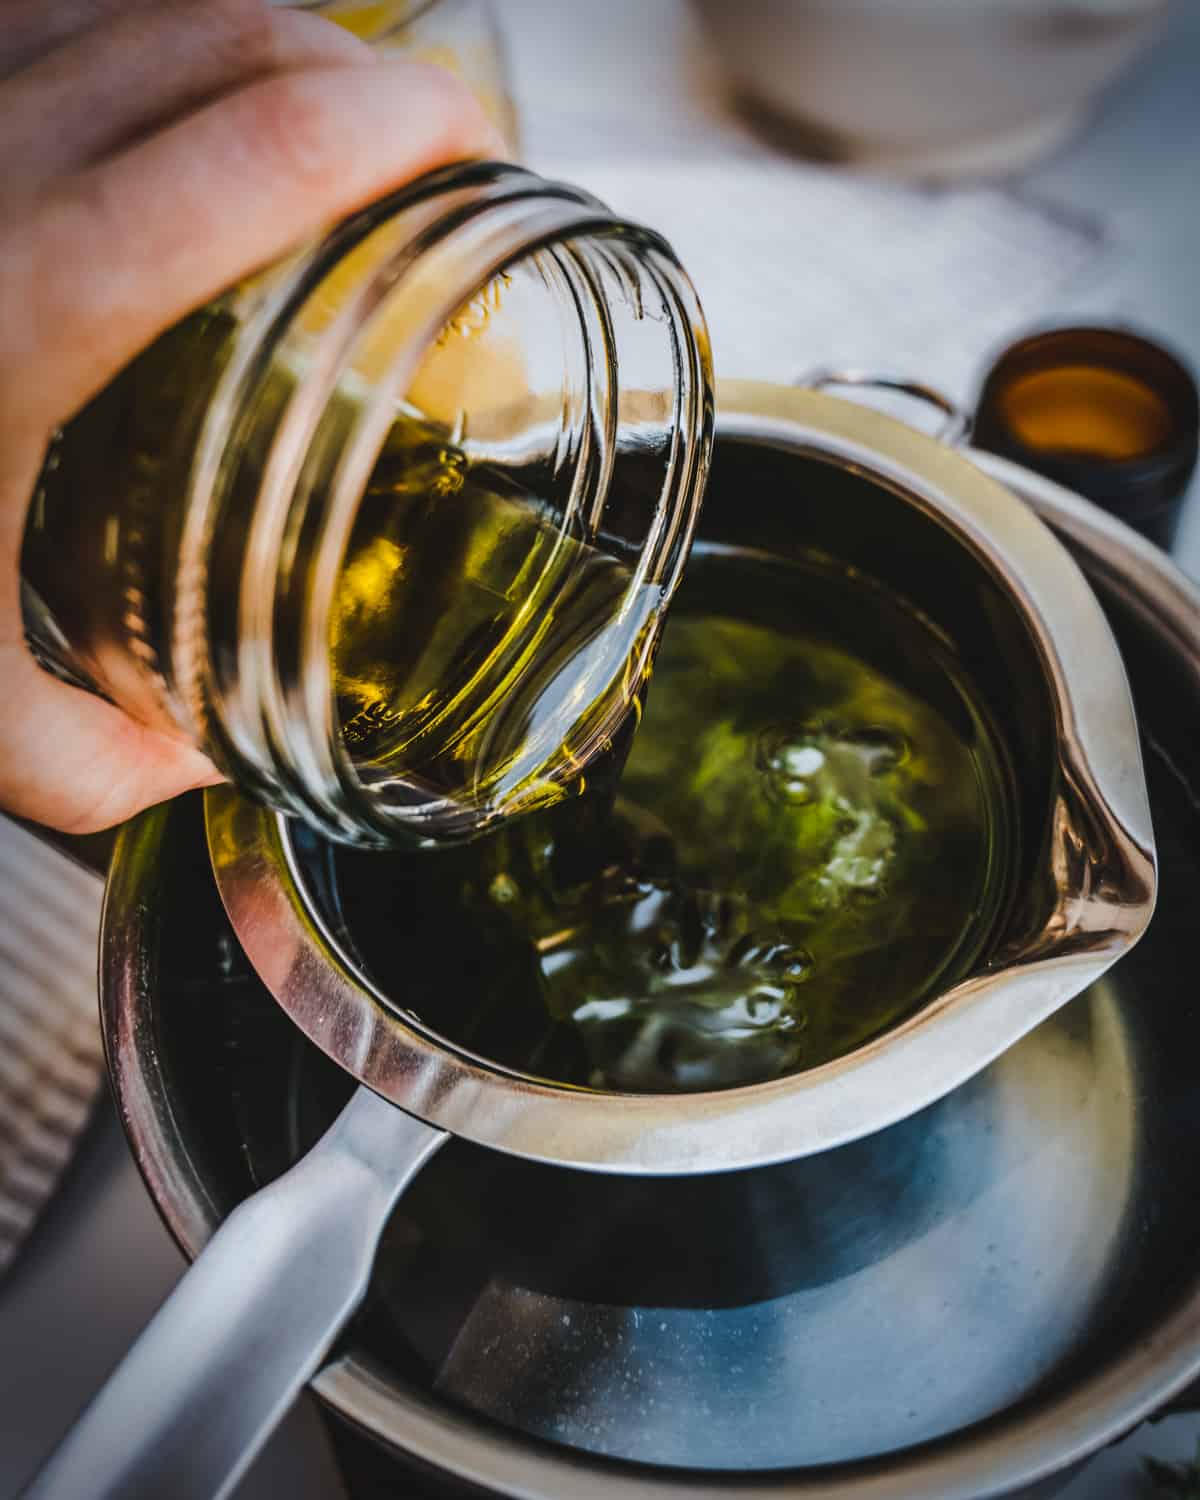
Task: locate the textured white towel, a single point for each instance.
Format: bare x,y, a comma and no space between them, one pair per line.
51,1059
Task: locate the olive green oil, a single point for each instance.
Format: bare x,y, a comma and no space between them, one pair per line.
481,646
479,649
806,837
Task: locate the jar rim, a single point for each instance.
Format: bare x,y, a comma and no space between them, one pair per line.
479,218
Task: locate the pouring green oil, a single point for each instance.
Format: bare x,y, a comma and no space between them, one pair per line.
807,836
480,651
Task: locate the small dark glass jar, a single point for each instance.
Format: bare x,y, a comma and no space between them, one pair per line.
1101,411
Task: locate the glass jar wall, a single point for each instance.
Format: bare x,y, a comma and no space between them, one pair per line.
390,529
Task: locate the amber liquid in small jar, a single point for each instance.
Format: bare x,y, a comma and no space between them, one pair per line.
1104,412
1095,413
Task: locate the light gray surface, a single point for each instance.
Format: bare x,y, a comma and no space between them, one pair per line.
602,89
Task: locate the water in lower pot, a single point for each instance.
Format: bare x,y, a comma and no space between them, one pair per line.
810,835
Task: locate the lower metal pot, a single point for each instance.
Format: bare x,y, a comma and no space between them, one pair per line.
967,1303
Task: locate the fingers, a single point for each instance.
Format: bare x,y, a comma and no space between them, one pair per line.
67,759
133,215
31,28
110,84
75,763
125,248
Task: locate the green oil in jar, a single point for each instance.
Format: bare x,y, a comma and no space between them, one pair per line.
476,644
808,837
480,650
388,530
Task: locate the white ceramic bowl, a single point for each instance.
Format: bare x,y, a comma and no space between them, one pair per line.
930,87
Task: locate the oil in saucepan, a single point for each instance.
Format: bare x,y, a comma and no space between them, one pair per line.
809,835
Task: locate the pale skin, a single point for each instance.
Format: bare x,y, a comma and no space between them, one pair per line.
151,153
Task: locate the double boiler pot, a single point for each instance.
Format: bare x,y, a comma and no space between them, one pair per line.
952,1263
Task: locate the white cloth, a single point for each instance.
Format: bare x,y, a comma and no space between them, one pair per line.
796,264
51,1059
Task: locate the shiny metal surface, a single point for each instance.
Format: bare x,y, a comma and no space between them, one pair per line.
220,1363
957,421
1024,1251
902,1251
1096,863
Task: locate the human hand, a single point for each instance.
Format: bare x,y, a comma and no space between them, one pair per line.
152,152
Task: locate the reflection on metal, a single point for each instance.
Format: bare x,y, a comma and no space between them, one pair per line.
954,429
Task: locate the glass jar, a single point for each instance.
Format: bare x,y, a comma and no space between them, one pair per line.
461,36
390,529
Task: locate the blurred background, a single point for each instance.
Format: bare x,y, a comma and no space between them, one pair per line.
928,242
901,185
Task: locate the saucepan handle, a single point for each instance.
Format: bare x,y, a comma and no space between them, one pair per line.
956,427
220,1363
